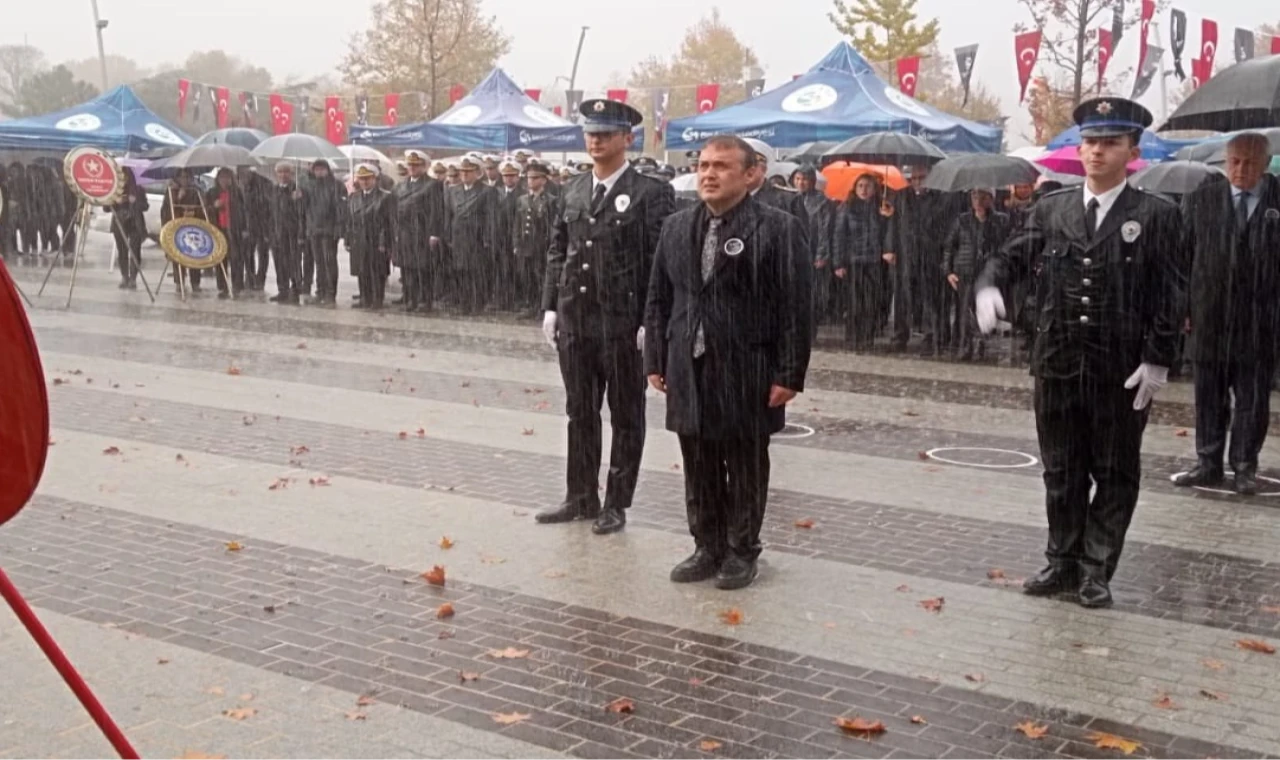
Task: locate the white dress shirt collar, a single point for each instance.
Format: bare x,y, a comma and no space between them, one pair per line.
609,181
1105,200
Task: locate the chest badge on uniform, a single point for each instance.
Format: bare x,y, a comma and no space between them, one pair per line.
622,203
1272,215
734,246
1130,231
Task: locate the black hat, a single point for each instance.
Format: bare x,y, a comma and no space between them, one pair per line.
1111,117
608,116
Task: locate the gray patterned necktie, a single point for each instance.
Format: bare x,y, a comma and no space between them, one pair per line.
709,249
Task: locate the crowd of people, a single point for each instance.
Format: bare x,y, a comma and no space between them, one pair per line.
38,215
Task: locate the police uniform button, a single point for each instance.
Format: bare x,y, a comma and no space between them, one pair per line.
592,220
586,266
1083,320
1088,262
1086,282
590,243
1085,300
582,289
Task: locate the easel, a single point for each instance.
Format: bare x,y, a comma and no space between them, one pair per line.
81,222
135,258
178,269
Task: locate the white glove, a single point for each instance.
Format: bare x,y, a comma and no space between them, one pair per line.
1148,379
640,339
549,328
989,305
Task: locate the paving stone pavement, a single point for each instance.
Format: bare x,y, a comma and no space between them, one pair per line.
125,556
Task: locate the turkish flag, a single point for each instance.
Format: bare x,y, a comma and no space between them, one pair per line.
534,94
24,405
391,102
285,123
618,95
1027,47
184,89
1208,44
908,74
338,129
1104,54
1148,13
279,125
557,111
708,95
222,96
1201,71
331,105
456,93
1275,45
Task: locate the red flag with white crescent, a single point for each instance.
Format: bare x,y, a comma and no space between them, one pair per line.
1027,46
1208,44
456,93
184,89
276,102
534,94
1275,45
1148,13
908,74
1105,43
708,95
223,99
391,102
338,130
331,103
285,123
1201,71
618,95
557,111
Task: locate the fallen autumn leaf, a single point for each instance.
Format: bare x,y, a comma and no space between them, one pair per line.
357,715
621,705
446,542
434,576
731,616
975,677
234,546
526,431
1031,730
933,605
510,653
1254,645
1216,696
364,700
1111,741
507,719
240,713
1181,432
805,523
444,611
320,480
112,451
860,726
162,661
1165,702
709,745
919,720
1213,664
995,573
466,675
233,370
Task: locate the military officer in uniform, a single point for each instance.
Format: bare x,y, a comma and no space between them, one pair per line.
509,192
593,296
473,236
531,235
1110,277
421,222
370,236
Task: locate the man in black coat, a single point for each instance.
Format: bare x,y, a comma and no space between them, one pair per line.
1110,279
593,297
535,215
325,199
370,236
510,188
422,222
473,236
920,220
974,236
288,234
1233,238
728,327
256,191
821,212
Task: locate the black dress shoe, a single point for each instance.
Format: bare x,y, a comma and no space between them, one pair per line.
1095,593
611,520
736,572
1198,476
566,512
1047,582
1246,484
699,566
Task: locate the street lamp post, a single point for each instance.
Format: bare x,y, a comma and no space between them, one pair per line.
100,24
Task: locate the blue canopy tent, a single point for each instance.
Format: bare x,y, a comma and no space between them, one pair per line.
115,121
1154,147
839,98
497,115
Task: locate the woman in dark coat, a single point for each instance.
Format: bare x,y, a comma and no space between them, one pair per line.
861,260
129,228
974,237
226,205
183,199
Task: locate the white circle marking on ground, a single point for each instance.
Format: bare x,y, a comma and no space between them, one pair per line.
1031,461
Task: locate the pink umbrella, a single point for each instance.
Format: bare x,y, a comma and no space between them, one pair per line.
1066,160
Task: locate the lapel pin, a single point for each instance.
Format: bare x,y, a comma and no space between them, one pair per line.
1130,231
622,203
734,246
1272,214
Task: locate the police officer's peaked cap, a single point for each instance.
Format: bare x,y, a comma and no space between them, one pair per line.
525,152
509,167
412,157
1111,117
491,161
468,163
366,170
438,167
602,115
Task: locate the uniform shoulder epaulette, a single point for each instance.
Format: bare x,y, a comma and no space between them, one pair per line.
1061,191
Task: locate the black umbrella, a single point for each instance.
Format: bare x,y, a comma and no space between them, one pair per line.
885,148
811,152
199,159
1174,177
1214,151
974,170
1245,96
243,136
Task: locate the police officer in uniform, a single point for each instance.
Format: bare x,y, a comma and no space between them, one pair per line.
1110,277
593,296
421,223
370,236
531,235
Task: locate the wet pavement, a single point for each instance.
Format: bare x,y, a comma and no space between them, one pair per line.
333,450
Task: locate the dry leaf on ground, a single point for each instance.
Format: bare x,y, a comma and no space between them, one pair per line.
1181,432
1165,702
446,542
553,573
909,413
162,660
709,745
1274,610
422,432
1031,730
303,344
904,588
933,605
731,616
240,713
357,715
507,719
1216,696
995,573
542,406
1254,645
434,576
112,451
805,523
444,611
860,726
510,653
297,450
364,700
466,675
923,456
234,546
621,705
1111,741
526,431
1213,664
975,677
179,458
402,435
319,480
278,484
919,720
233,370
444,635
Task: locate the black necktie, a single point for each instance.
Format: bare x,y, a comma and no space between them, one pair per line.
1091,219
597,200
1242,211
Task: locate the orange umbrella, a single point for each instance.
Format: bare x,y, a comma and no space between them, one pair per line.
842,175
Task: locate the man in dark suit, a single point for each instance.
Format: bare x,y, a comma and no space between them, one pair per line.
421,223
593,297
473,236
920,219
1232,234
370,236
727,337
821,212
1110,280
509,190
536,213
